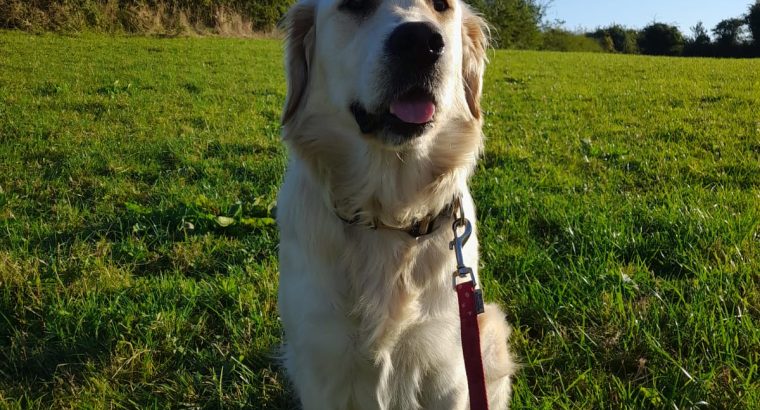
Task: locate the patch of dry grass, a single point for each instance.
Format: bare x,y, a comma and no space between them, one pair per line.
161,18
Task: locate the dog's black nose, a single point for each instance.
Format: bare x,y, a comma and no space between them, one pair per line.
418,45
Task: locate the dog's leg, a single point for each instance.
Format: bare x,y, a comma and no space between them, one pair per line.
317,350
432,349
316,388
448,389
454,399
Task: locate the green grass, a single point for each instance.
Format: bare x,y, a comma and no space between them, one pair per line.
619,207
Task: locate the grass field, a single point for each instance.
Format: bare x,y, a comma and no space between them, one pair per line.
619,207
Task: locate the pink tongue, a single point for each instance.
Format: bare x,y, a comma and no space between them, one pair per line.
413,112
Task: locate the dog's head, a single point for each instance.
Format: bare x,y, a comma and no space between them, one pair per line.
394,70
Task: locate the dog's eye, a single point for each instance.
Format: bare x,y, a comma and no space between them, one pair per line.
356,6
440,5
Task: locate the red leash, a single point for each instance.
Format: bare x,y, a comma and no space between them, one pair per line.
473,362
470,300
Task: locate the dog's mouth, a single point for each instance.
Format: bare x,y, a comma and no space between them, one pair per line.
404,118
415,107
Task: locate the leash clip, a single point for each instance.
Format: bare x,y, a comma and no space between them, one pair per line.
464,273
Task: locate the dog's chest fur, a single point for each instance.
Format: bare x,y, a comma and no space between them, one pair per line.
382,293
377,276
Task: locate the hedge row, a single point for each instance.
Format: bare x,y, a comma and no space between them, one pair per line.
143,16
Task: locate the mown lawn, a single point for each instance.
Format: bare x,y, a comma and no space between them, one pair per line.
619,207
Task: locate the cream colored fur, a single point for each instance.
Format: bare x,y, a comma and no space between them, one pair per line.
370,316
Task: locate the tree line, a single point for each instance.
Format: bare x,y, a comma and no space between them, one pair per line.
737,37
516,24
521,24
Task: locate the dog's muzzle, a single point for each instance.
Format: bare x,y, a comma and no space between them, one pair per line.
412,52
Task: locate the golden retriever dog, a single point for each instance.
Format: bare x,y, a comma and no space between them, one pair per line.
383,124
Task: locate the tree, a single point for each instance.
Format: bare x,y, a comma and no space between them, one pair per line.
661,39
753,21
516,23
729,31
699,34
699,44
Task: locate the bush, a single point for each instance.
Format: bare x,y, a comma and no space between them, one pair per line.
557,39
616,38
266,13
661,39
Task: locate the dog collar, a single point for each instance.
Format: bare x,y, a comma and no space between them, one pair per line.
418,228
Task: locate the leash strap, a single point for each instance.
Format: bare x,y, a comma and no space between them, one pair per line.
470,300
470,303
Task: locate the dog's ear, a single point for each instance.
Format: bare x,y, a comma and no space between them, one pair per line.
298,25
475,38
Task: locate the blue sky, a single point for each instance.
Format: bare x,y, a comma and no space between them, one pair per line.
589,14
